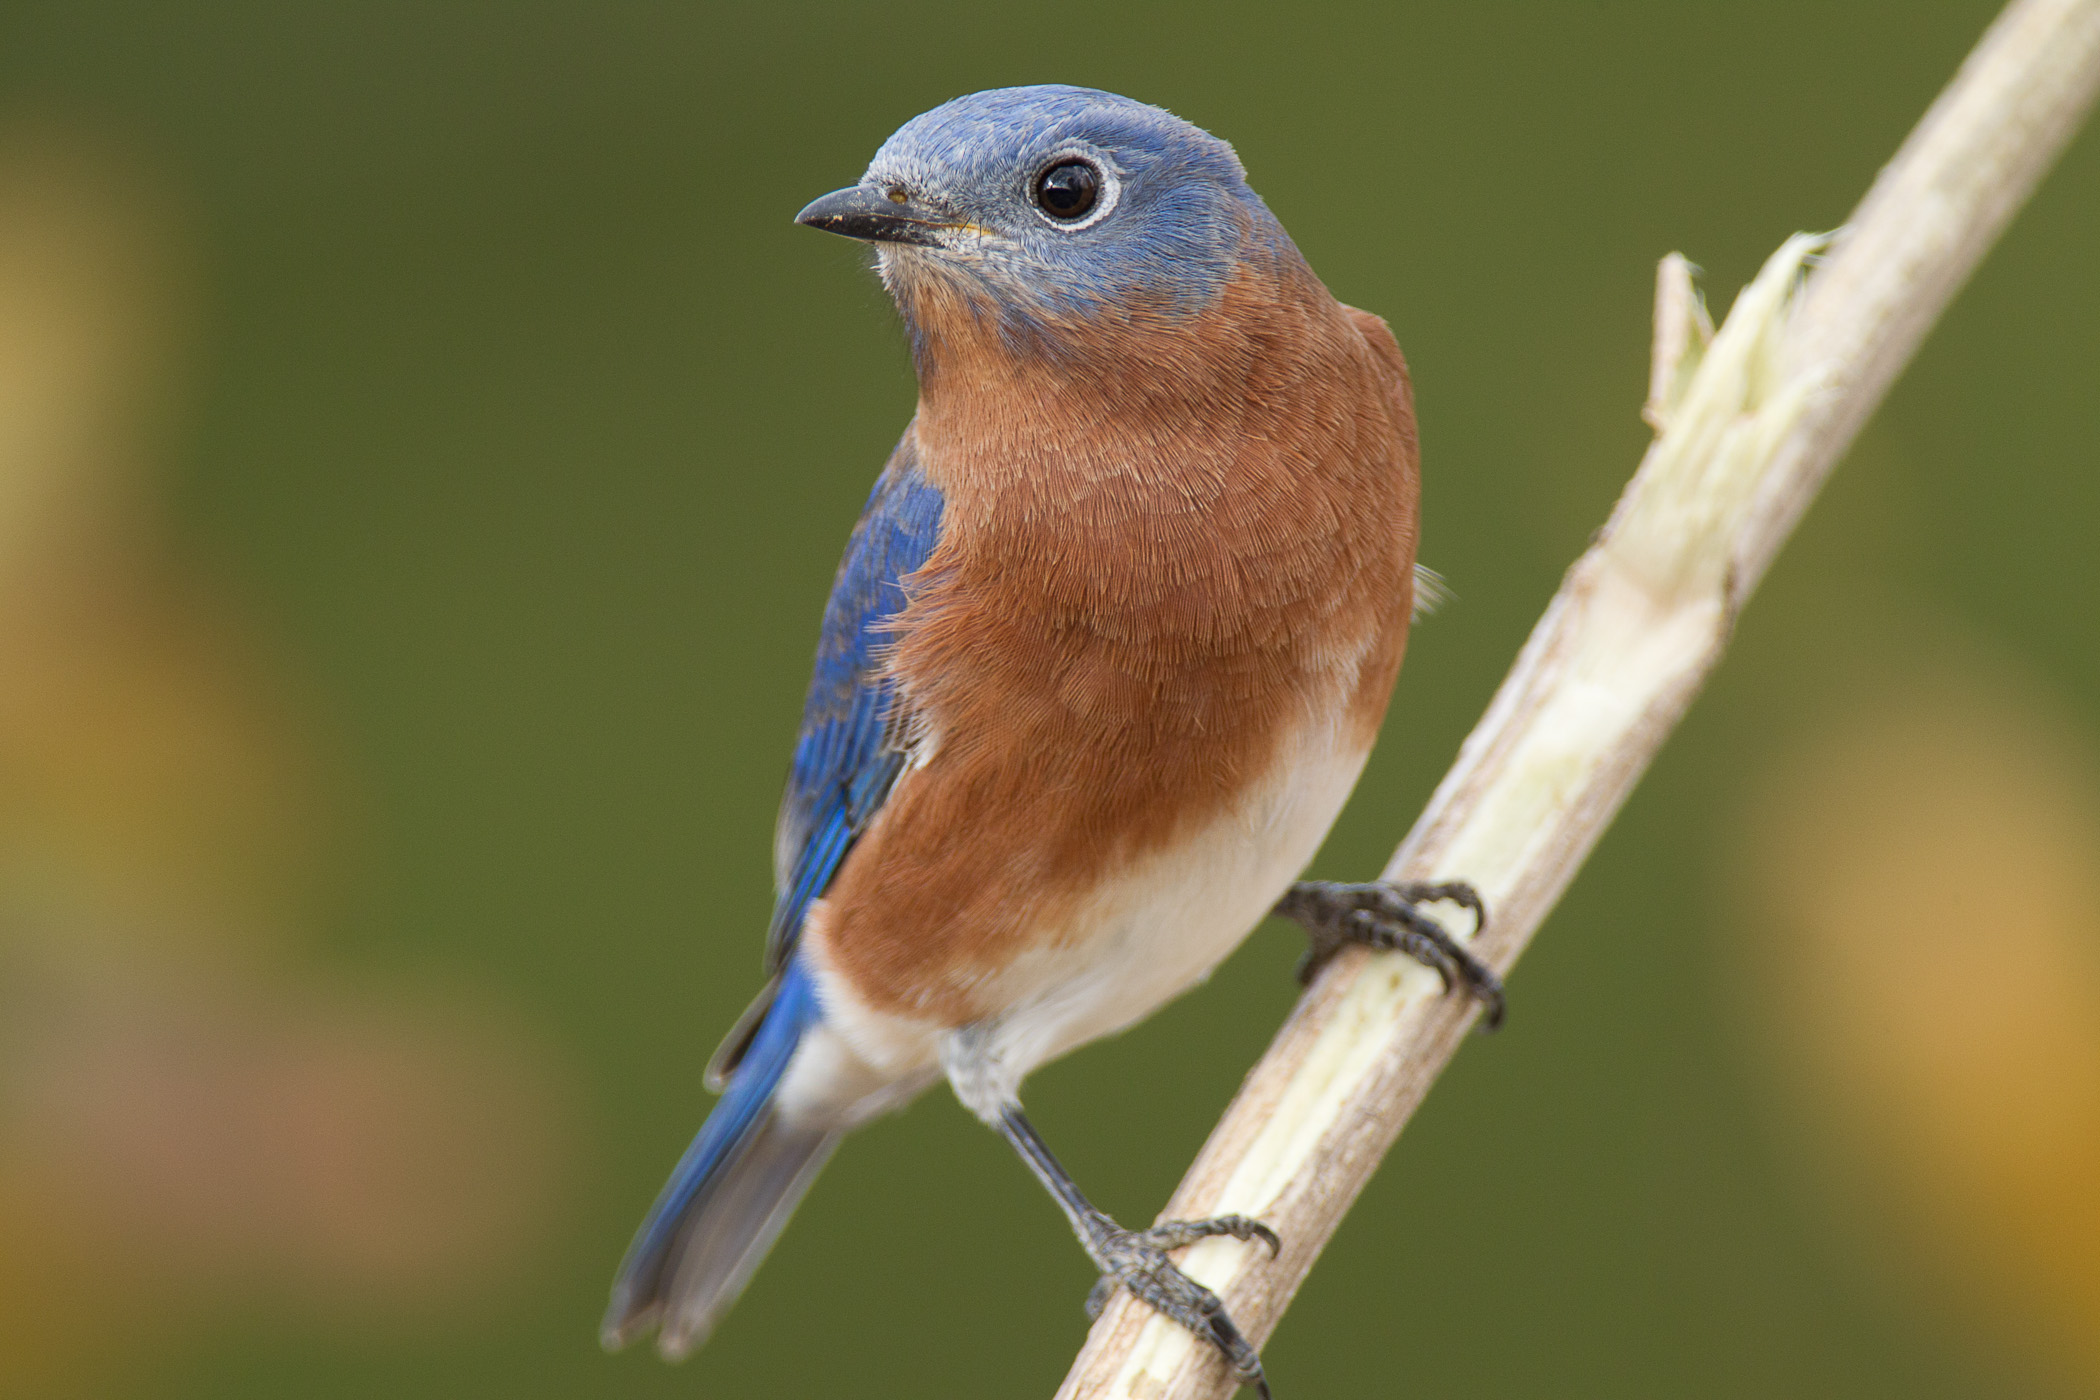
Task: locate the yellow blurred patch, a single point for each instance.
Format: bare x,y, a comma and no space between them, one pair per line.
1922,873
191,1118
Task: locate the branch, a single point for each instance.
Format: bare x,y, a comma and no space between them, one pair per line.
1750,420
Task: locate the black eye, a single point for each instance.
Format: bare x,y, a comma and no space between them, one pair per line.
1068,189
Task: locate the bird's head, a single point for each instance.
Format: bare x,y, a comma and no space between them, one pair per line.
1049,206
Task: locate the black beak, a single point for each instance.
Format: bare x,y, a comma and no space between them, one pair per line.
875,216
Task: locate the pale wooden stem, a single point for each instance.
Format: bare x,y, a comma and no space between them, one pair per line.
1750,424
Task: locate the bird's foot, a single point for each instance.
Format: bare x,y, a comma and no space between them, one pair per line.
1137,1260
1389,918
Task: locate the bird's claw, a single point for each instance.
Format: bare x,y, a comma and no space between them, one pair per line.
1137,1260
1389,918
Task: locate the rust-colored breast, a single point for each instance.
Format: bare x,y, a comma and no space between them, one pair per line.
1161,559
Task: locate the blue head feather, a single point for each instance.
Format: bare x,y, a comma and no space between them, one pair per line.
1173,221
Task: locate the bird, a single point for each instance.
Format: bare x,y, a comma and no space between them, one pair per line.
1104,657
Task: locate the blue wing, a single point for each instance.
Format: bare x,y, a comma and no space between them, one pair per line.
849,753
737,1183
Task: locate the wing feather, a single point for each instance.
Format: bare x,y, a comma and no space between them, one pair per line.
851,748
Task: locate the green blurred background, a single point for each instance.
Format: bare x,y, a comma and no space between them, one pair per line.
424,448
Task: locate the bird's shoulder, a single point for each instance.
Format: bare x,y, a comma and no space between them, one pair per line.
1384,346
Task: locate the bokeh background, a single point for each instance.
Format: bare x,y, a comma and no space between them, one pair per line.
424,448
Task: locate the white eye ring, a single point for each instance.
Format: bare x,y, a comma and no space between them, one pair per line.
1111,190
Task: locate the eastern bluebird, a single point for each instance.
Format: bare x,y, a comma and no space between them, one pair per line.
1106,654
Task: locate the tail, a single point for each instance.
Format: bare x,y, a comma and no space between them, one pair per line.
729,1196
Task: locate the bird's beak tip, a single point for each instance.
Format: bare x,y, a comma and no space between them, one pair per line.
820,211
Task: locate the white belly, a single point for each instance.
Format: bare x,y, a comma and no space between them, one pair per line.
1158,928
1146,935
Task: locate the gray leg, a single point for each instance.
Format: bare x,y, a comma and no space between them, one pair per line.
1137,1259
1386,917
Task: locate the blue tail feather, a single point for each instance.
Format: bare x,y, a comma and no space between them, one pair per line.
729,1195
